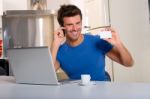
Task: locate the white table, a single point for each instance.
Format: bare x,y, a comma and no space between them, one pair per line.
102,90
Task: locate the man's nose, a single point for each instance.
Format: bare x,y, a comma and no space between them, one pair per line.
74,27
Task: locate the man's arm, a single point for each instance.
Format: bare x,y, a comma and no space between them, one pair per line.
54,50
121,55
58,39
119,52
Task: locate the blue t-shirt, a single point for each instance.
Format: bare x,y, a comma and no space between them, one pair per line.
86,58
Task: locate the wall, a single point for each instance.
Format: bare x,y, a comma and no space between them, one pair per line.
1,7
14,4
130,18
1,12
24,4
54,4
0,22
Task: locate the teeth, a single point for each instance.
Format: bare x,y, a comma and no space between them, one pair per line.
74,33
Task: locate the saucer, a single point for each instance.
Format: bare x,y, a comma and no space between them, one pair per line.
90,83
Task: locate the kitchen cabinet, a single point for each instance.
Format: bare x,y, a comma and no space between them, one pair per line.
131,19
97,12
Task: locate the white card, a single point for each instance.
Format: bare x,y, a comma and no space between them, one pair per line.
105,34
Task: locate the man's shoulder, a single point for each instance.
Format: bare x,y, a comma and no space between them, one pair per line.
63,45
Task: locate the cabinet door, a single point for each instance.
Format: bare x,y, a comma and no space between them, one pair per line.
131,19
97,12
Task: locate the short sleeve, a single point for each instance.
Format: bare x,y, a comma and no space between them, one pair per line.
104,46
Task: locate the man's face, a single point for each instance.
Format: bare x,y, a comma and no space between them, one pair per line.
73,27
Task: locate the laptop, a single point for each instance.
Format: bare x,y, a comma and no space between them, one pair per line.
33,65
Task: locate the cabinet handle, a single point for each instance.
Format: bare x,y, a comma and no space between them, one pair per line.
87,27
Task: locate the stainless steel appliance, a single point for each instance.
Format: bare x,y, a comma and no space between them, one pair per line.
27,28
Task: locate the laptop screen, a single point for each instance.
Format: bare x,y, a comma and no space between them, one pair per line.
32,65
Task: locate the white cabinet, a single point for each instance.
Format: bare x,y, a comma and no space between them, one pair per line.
131,19
97,12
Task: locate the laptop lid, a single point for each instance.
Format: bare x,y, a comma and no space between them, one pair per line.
32,65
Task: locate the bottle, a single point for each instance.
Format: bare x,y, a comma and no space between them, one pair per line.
38,5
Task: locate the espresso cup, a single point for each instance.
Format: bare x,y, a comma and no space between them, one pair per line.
85,79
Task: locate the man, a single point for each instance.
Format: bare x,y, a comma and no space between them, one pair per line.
84,54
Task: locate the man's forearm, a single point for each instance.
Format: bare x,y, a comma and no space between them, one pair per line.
54,50
125,56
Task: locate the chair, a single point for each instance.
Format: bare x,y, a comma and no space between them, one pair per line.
108,76
4,67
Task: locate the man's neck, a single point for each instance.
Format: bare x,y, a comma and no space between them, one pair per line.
77,42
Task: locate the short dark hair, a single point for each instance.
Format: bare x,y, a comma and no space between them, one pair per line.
67,11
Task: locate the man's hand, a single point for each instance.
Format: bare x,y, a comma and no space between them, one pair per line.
59,36
119,53
115,40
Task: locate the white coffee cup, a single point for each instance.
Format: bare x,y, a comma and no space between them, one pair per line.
85,79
